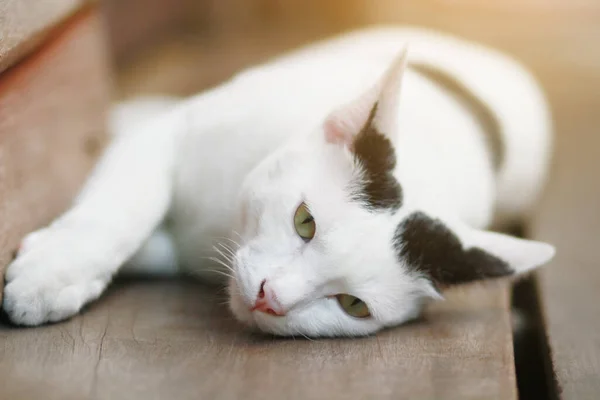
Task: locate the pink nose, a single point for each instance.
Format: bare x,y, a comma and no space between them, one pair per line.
266,302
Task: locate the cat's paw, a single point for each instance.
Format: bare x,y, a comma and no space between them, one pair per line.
50,280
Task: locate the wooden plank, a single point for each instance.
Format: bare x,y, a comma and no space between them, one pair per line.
157,340
51,128
24,24
569,217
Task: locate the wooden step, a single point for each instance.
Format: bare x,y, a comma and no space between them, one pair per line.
52,127
25,25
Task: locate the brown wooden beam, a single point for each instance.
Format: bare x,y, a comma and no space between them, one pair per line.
52,127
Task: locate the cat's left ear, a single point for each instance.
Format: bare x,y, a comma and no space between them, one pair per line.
451,253
374,112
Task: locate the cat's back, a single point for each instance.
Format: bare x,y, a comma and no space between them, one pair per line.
445,73
236,125
453,82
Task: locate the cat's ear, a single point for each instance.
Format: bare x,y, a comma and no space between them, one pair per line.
374,111
451,253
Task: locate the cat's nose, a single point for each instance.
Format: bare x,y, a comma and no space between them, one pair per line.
266,301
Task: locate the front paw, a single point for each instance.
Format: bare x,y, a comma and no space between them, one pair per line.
50,280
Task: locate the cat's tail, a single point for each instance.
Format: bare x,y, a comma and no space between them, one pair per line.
126,115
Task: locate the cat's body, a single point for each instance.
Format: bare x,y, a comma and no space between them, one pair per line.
474,149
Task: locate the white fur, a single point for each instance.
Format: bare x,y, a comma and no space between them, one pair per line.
227,168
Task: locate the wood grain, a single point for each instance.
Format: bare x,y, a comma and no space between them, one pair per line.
51,128
570,286
25,23
157,340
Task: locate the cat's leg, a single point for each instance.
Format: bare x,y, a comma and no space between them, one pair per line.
69,263
156,257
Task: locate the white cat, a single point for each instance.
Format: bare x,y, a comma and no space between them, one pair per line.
336,187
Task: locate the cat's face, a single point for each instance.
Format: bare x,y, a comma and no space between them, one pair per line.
303,234
328,245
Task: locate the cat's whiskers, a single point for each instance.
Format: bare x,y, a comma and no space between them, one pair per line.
227,261
233,242
304,336
222,290
216,271
222,263
229,251
237,234
222,254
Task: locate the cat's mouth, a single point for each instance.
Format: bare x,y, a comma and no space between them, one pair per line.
265,308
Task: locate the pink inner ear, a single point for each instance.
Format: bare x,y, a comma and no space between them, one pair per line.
343,124
336,133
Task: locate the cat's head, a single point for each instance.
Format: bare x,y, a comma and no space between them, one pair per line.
328,245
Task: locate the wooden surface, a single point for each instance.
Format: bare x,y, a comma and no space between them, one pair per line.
570,218
161,340
25,23
51,128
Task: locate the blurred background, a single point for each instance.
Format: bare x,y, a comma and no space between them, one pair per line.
181,46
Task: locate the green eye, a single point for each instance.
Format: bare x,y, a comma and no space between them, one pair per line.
353,306
304,223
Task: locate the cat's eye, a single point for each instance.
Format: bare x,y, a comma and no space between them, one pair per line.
353,306
304,223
